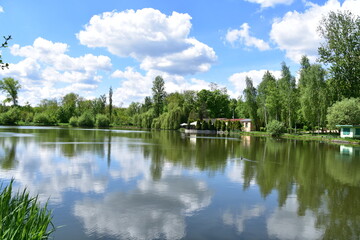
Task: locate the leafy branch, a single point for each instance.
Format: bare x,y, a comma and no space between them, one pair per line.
4,45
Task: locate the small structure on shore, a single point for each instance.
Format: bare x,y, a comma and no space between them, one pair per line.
247,125
349,131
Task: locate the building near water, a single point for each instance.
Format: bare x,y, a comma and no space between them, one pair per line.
349,131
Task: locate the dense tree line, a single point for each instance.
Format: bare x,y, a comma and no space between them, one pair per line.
311,102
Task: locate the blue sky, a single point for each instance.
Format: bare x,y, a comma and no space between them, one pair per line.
87,46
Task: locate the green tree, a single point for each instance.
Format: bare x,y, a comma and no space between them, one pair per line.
345,112
68,107
250,94
159,95
147,104
110,104
341,50
11,88
4,45
313,94
287,96
267,98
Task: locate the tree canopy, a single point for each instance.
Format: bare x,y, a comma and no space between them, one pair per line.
11,88
341,50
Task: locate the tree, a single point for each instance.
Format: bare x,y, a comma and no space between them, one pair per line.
267,98
68,107
159,95
11,88
345,112
4,45
250,100
341,49
110,104
287,96
313,94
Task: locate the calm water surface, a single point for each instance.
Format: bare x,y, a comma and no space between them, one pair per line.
114,184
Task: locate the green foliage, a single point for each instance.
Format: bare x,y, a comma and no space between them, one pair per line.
22,217
250,105
110,104
73,121
45,118
313,94
86,120
4,45
68,107
11,117
275,128
11,88
345,112
102,120
341,49
159,95
205,125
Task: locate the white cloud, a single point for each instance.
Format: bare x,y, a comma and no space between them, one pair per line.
135,86
238,79
46,66
238,219
285,223
157,41
242,35
156,209
296,32
270,3
1,9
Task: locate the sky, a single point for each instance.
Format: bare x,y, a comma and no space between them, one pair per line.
87,46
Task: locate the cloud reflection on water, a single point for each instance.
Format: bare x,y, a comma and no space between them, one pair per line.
155,209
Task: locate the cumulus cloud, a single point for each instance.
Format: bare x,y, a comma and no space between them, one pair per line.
296,32
270,3
157,41
285,223
1,9
238,219
242,36
135,86
238,79
46,66
154,210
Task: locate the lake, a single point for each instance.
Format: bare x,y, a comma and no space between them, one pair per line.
118,184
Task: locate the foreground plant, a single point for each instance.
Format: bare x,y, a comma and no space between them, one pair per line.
22,217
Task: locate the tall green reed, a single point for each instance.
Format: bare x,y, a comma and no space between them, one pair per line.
22,217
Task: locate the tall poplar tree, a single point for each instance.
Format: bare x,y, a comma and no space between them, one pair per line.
250,100
287,96
159,95
110,104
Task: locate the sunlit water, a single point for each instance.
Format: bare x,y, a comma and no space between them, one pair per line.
114,184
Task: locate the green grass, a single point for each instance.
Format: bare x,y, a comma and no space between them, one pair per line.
22,217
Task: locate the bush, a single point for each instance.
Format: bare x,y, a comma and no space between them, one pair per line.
275,128
86,120
22,217
102,120
10,117
45,119
73,121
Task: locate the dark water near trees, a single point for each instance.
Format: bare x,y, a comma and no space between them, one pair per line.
113,184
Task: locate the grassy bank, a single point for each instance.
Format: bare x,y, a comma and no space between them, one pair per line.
331,138
22,217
